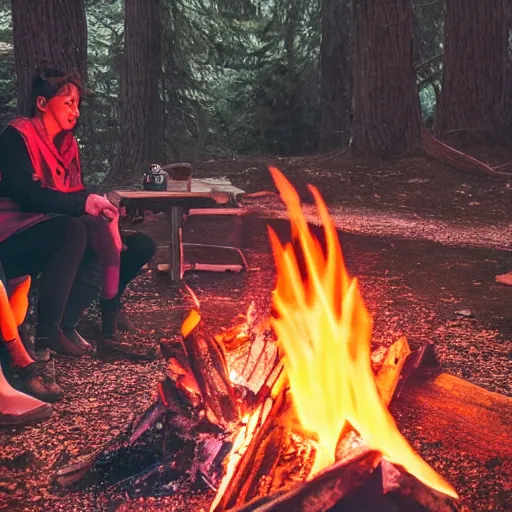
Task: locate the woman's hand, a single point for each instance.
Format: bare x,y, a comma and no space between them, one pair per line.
114,231
98,205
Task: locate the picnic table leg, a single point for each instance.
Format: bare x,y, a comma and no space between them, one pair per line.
175,219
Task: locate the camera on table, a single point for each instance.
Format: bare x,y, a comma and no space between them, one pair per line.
155,179
175,177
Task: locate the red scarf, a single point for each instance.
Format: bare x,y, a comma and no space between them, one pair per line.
56,166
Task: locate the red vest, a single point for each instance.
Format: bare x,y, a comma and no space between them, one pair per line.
56,166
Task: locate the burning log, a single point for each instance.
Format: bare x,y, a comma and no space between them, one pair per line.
242,333
390,371
265,437
389,365
459,414
324,331
324,491
266,479
209,368
394,480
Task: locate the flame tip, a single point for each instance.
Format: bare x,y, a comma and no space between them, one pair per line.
190,323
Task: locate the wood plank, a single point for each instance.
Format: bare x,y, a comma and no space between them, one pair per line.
459,415
216,190
149,194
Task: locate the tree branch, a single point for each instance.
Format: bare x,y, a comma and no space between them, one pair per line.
429,61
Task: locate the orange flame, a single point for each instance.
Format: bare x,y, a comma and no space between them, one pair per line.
324,332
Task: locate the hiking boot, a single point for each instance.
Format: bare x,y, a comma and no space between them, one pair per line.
78,341
43,355
39,381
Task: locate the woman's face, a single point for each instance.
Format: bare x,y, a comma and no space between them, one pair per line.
61,112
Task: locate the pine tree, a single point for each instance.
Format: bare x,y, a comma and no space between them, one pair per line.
140,127
472,107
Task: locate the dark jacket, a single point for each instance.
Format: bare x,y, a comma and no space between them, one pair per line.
23,201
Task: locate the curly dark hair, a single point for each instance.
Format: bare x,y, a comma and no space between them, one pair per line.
48,80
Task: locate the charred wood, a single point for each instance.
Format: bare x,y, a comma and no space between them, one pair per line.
389,490
208,365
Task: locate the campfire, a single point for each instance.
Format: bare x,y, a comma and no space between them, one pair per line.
289,412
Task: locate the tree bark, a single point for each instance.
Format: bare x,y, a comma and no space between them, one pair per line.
335,75
387,117
55,30
141,119
472,101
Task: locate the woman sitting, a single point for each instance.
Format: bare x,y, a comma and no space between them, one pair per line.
41,174
32,239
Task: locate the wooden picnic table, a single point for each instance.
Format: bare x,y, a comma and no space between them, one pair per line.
204,194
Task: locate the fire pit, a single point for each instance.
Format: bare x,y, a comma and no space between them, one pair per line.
287,412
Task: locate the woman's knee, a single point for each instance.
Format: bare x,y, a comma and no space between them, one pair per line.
73,232
140,246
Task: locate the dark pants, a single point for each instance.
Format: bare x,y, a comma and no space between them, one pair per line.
54,249
89,279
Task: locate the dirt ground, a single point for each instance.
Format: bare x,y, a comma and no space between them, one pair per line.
425,242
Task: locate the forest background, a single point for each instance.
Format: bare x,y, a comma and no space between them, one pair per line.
174,80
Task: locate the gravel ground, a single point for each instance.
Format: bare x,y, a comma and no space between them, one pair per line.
424,254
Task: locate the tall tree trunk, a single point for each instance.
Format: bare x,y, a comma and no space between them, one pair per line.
335,75
508,80
472,101
55,30
386,104
141,120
